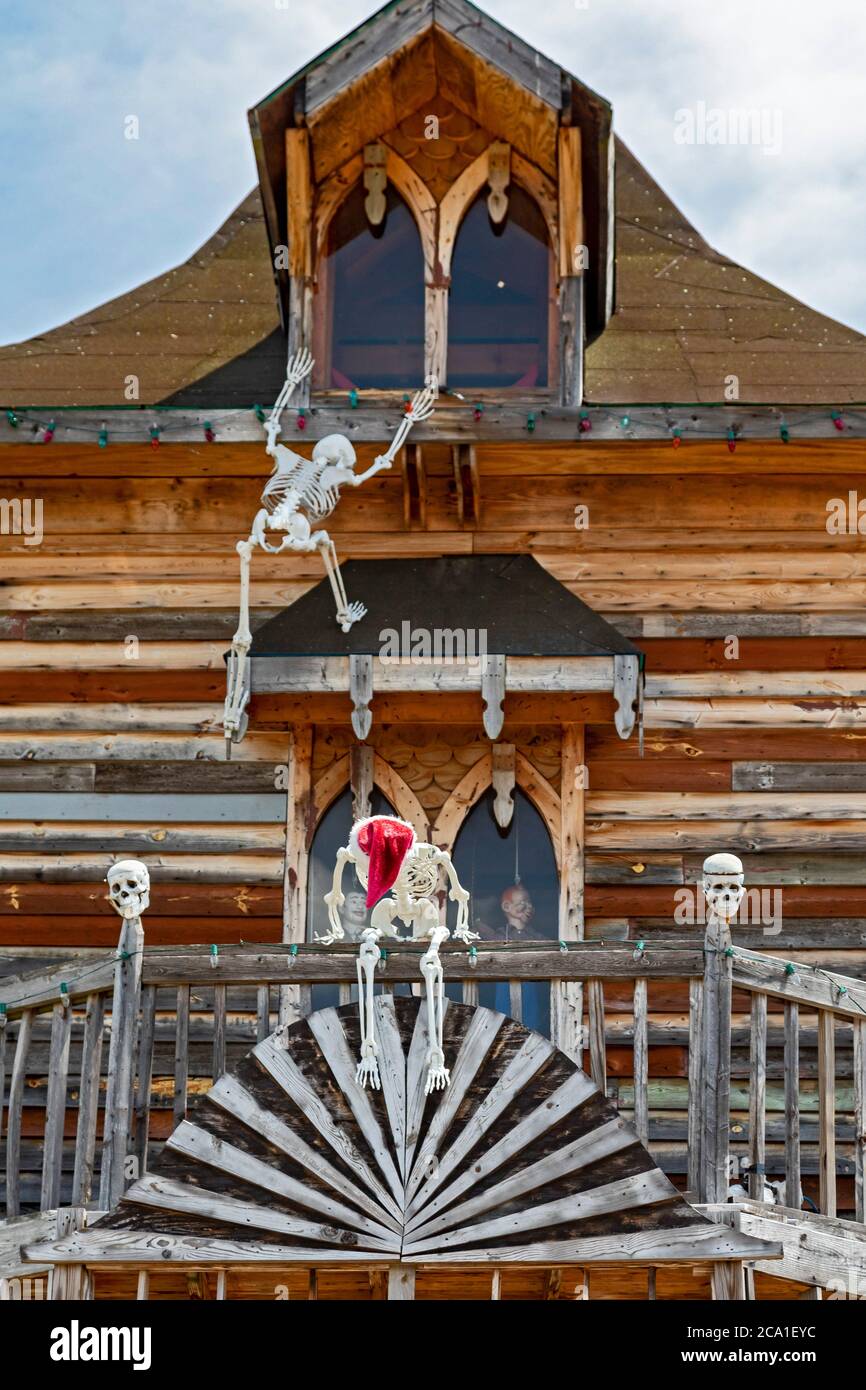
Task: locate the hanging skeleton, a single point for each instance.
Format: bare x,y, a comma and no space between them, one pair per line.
389,859
300,493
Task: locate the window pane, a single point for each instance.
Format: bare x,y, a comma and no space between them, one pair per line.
499,314
373,281
514,892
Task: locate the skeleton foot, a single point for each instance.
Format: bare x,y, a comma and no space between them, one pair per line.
353,614
367,1072
438,1075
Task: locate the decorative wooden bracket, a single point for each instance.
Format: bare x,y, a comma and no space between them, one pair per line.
376,183
493,695
414,488
361,779
626,679
498,180
467,485
503,778
361,693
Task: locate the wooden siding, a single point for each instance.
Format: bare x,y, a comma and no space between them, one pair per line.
104,754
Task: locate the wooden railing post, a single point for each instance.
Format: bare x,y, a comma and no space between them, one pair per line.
125,1004
715,1090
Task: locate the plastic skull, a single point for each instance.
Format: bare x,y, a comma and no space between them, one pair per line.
129,888
724,885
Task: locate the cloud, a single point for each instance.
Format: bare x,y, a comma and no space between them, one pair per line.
89,214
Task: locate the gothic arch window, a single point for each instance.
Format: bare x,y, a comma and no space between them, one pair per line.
513,884
369,322
500,318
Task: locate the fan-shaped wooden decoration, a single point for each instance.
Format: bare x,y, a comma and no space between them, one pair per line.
289,1160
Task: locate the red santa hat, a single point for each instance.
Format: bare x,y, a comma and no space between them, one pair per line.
384,842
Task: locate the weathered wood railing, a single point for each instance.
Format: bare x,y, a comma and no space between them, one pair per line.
179,1017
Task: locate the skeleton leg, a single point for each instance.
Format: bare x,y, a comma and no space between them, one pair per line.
368,958
347,613
237,684
438,1075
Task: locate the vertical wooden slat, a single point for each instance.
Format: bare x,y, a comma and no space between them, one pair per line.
142,1292
88,1100
696,1024
3,1033
496,1286
181,1053
860,1119
793,1179
641,1061
758,1097
470,993
313,1285
597,1051
651,1284
345,994
221,1286
566,1014
515,1000
125,1003
716,1063
401,1283
827,1111
13,1127
298,814
263,1013
145,1076
219,1031
70,1281
55,1105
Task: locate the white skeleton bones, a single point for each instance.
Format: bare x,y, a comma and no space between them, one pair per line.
411,900
300,493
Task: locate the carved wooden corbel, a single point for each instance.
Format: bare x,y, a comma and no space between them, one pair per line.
361,693
498,180
467,485
626,680
503,778
493,695
376,183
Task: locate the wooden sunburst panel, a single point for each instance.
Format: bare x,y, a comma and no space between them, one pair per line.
288,1160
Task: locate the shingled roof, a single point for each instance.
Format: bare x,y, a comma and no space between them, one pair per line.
207,333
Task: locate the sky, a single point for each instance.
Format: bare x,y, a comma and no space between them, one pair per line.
87,213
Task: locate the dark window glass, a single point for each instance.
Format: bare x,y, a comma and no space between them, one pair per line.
373,283
499,314
514,891
333,834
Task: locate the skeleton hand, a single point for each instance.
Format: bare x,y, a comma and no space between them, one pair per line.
354,613
368,1067
333,901
460,895
438,1075
300,366
423,404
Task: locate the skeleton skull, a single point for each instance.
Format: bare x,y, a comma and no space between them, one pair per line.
724,885
335,451
129,888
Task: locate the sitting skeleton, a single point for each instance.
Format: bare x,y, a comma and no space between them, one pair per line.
300,493
389,860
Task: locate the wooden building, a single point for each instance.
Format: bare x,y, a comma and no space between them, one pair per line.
643,490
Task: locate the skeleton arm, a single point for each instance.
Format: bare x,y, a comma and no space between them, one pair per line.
336,898
298,368
458,894
422,407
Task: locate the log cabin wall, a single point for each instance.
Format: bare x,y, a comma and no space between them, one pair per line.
721,567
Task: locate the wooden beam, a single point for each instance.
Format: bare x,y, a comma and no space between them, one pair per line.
293,999
827,1110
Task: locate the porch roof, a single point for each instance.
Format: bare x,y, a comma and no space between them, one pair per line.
510,603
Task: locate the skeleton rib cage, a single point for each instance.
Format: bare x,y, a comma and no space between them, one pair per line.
295,483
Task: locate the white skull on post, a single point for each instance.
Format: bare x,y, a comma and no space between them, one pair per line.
129,888
724,885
